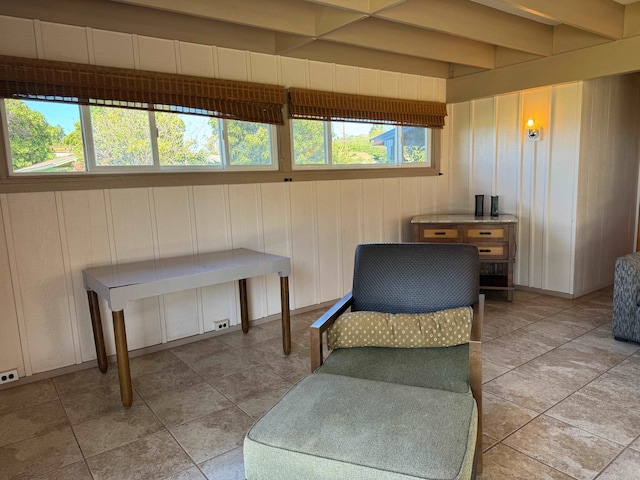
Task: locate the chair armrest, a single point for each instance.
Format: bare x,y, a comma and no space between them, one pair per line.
322,324
475,367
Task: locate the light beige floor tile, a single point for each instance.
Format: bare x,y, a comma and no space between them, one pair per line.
604,340
171,379
75,471
495,326
564,447
229,466
583,317
293,367
39,455
155,456
501,417
221,364
630,367
249,384
94,402
193,352
256,334
615,388
31,421
255,407
592,356
563,367
635,445
504,463
605,419
152,363
214,434
188,404
510,355
192,473
553,332
115,429
492,370
84,380
529,392
488,442
627,465
27,395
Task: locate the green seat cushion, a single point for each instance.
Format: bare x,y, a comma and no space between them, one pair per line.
331,426
445,368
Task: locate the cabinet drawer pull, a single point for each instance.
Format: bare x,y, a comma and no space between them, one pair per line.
484,250
439,233
484,233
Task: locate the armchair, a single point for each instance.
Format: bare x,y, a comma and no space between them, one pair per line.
385,412
626,298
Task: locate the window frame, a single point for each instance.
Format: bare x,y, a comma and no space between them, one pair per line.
328,144
92,168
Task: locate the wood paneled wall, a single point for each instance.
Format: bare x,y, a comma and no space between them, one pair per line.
47,238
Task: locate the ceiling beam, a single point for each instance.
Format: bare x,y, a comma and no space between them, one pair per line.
602,17
330,19
476,22
417,42
336,53
612,58
289,16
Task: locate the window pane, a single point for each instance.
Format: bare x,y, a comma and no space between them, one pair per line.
188,139
308,142
414,147
249,143
362,143
121,137
44,136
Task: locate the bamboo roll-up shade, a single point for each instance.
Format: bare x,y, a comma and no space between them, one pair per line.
320,105
96,85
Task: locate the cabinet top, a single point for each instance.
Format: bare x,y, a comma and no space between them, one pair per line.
464,218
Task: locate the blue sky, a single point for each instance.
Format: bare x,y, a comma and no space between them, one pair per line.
62,114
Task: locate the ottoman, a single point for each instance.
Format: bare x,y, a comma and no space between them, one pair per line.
332,426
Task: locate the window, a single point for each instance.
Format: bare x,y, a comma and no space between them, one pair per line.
337,143
51,137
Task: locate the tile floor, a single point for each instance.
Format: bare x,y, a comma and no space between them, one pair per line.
561,401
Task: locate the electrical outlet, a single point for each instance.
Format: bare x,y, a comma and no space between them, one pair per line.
220,325
10,376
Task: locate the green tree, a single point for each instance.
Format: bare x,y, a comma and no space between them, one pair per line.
354,149
308,142
121,136
30,135
248,143
176,149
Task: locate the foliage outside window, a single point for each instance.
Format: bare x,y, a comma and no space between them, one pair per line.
336,143
47,137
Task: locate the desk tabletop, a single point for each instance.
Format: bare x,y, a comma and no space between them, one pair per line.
128,281
462,218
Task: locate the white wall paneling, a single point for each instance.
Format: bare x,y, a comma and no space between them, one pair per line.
40,276
213,233
17,37
10,345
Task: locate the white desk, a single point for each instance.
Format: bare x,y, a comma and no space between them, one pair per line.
118,284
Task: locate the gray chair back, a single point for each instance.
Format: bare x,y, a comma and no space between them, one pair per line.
414,277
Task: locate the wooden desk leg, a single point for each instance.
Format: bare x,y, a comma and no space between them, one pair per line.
98,335
286,318
122,354
244,308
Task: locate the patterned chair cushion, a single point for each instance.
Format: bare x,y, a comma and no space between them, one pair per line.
444,328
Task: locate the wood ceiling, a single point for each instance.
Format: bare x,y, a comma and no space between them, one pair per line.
459,40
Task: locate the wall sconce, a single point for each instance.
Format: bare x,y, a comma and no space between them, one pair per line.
534,133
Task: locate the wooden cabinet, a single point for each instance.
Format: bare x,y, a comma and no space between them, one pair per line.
494,237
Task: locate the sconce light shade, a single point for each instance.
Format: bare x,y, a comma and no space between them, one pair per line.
533,132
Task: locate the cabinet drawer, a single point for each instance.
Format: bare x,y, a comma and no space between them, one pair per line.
436,234
486,233
498,251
